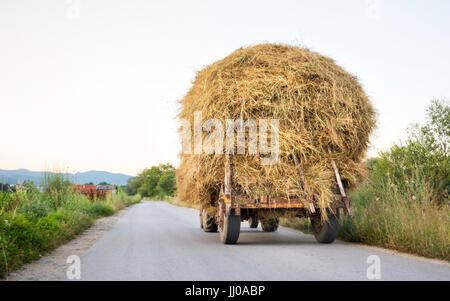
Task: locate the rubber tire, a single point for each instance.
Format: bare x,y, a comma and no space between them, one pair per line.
208,222
270,225
253,222
328,231
231,229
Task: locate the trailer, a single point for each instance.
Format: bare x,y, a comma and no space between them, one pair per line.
233,206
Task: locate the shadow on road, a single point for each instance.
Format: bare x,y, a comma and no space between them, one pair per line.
259,237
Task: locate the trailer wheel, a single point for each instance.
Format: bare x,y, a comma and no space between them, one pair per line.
208,222
253,222
269,225
229,233
325,232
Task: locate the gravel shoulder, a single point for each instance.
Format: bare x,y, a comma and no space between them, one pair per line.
53,266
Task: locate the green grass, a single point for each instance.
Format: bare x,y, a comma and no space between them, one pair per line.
33,223
393,222
398,220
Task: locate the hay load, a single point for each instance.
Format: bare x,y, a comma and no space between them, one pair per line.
323,114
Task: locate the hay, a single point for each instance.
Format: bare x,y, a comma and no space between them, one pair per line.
323,114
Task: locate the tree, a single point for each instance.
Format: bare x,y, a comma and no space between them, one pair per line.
422,159
155,181
166,184
151,177
133,184
437,128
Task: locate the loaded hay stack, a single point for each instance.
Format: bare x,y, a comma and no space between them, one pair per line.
323,115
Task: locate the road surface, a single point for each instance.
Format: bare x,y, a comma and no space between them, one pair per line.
159,241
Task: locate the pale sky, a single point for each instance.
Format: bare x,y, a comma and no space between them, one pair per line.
97,88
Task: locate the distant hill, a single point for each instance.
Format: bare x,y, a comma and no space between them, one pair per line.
94,176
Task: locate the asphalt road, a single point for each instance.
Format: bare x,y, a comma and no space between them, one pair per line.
159,241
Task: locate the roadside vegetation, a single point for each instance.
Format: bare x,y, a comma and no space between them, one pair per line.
157,182
404,204
34,221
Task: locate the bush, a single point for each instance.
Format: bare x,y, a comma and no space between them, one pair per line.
22,241
7,202
166,184
122,200
36,205
158,181
99,209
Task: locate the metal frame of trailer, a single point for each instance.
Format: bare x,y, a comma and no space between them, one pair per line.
233,207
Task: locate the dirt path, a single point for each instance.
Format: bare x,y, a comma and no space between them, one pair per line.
53,266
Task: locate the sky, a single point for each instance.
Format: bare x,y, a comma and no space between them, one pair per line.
95,84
